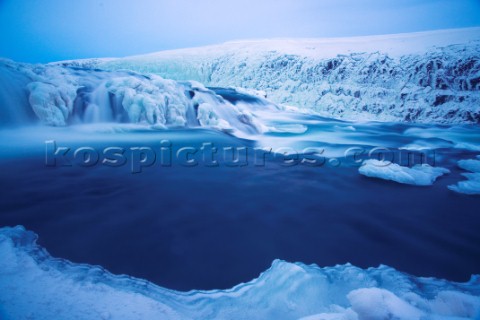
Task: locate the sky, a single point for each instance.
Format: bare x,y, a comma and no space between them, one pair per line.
52,30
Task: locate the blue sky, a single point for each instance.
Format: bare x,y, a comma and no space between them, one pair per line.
49,30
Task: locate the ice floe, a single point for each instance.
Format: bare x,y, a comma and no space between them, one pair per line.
420,174
470,186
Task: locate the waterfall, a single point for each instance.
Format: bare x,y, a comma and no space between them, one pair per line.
62,96
100,107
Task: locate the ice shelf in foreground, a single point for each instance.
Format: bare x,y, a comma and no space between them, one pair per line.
33,285
420,174
472,184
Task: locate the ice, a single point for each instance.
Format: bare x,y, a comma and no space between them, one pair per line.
112,101
468,146
13,97
50,103
470,186
33,285
60,96
418,77
374,303
420,174
289,128
471,165
427,145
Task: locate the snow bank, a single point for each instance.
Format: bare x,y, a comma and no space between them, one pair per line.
35,285
420,174
418,77
472,184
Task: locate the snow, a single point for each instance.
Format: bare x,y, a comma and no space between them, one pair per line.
420,174
470,186
35,285
417,77
319,48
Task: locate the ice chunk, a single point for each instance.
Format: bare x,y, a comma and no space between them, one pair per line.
471,165
51,104
420,174
289,128
470,186
33,285
378,304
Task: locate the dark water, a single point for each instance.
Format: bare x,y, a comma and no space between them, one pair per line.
214,227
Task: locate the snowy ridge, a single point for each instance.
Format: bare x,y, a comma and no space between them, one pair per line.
418,77
58,289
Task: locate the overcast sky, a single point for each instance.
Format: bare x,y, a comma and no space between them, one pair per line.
49,30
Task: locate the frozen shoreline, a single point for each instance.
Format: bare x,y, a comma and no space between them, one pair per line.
33,284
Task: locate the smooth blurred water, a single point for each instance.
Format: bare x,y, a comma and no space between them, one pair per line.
214,227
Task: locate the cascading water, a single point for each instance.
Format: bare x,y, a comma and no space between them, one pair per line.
100,107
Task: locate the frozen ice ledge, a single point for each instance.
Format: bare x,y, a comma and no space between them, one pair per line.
417,77
33,285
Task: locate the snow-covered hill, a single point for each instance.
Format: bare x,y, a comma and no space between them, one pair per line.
420,77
